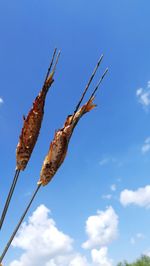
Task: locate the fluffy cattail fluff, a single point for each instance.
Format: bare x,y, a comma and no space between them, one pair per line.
59,145
31,127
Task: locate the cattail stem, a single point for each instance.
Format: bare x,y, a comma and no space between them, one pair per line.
57,58
99,82
50,72
18,225
17,172
97,86
88,84
51,63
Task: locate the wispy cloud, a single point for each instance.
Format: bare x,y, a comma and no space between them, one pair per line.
113,187
44,244
136,238
139,197
1,101
27,194
104,161
143,96
146,146
132,240
110,160
140,236
107,196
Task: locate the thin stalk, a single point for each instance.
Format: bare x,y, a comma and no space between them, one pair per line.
17,172
99,82
57,58
88,84
51,63
18,225
45,87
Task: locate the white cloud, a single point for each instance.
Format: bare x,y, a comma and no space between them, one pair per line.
101,228
1,101
146,146
100,257
40,239
78,260
139,92
107,196
110,160
139,197
143,95
140,236
113,187
72,260
148,84
44,244
132,240
137,237
107,160
104,161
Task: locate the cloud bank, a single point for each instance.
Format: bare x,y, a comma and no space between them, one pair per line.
44,244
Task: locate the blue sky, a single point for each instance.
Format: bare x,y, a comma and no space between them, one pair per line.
110,145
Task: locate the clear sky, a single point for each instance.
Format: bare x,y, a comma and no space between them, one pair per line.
96,209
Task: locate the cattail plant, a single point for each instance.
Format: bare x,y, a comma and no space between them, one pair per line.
30,132
58,147
32,123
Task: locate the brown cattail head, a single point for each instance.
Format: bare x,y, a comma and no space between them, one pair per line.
30,132
54,158
32,123
59,145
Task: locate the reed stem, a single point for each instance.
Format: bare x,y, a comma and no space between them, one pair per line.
18,225
9,197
